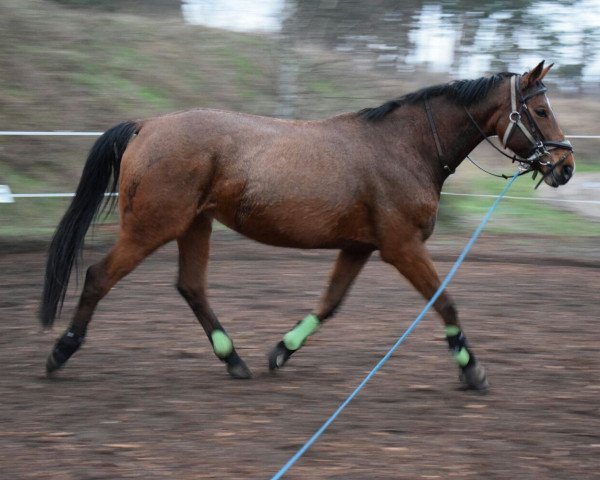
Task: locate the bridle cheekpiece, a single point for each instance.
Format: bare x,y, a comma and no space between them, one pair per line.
540,147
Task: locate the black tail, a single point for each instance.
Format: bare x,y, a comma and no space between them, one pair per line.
103,162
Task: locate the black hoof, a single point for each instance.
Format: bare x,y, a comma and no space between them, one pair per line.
66,346
473,378
236,366
239,370
279,355
52,365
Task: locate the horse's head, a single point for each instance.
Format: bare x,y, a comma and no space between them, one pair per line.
528,127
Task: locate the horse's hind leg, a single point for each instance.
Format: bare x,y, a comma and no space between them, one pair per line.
413,262
347,267
99,279
193,261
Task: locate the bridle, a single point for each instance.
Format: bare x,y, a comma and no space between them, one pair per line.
540,147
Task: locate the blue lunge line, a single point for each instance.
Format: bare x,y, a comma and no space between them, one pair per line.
408,331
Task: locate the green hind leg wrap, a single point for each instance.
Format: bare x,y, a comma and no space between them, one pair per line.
222,344
296,337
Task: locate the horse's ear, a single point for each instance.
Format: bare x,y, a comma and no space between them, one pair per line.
545,71
534,75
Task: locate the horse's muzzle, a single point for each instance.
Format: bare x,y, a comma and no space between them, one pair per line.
556,177
565,174
560,172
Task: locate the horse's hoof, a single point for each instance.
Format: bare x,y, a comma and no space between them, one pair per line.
279,355
236,366
473,378
52,365
239,370
66,346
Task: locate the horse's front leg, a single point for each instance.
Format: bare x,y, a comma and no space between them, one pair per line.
347,267
413,261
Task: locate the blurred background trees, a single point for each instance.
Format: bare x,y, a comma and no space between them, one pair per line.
85,65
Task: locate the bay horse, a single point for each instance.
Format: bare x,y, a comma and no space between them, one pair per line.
357,182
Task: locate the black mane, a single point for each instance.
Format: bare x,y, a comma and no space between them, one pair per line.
462,92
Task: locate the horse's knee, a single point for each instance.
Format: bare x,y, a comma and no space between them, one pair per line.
184,291
192,294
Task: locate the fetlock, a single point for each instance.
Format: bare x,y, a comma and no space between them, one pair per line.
457,343
221,343
296,337
293,341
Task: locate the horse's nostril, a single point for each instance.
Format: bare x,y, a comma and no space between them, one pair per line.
567,172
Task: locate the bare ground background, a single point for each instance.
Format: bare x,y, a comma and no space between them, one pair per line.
146,398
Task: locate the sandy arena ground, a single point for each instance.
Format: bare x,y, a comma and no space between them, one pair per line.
146,398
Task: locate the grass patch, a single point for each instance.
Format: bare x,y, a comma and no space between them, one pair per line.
512,216
31,217
586,167
323,86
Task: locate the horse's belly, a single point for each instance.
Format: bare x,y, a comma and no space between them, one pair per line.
301,225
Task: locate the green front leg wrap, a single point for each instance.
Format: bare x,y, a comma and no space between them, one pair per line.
457,344
451,330
462,357
296,337
222,344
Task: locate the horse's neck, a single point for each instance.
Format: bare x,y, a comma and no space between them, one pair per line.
457,134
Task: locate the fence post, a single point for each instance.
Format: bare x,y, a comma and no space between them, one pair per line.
6,194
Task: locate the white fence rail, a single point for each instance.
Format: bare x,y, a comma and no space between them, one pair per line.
67,133
57,133
6,196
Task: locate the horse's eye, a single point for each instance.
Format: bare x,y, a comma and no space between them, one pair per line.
541,112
